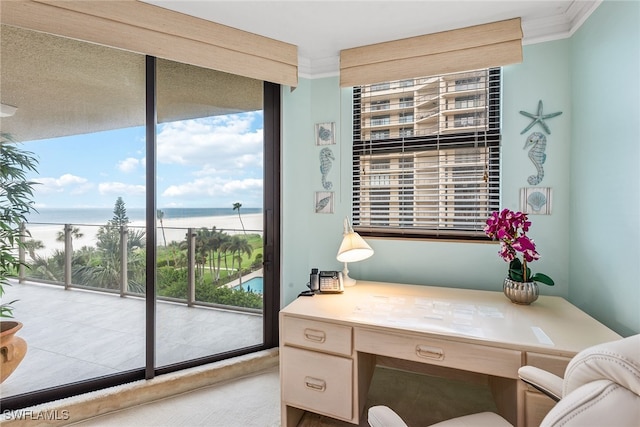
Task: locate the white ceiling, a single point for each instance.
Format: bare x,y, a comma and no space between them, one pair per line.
321,29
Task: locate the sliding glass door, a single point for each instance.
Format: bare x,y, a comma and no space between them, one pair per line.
155,236
210,150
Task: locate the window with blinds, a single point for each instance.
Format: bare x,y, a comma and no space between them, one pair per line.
426,155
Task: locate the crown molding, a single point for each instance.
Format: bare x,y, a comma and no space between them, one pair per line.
537,30
318,68
559,26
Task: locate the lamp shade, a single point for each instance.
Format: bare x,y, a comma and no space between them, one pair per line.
353,247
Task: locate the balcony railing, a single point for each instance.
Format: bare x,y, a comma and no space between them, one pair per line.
84,315
188,269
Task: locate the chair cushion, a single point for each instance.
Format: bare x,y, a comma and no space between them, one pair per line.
383,416
617,361
596,404
482,419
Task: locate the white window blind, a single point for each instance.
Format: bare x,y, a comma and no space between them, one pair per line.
428,165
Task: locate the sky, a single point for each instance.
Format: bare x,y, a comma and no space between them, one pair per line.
208,162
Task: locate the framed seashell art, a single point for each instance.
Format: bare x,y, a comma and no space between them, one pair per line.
323,202
536,200
325,133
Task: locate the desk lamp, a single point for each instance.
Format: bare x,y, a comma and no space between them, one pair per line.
352,249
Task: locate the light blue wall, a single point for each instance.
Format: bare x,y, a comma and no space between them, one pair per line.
605,159
308,239
542,76
311,240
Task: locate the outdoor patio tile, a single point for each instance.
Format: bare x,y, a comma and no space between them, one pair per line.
76,335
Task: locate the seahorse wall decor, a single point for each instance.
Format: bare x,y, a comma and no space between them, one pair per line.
326,161
538,143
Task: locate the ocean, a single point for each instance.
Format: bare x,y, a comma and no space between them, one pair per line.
46,225
100,216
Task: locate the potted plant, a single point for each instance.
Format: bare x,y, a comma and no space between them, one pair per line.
511,228
15,203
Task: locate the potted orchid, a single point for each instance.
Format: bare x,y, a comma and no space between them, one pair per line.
511,228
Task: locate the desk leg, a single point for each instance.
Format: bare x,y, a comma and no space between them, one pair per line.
508,399
290,416
366,364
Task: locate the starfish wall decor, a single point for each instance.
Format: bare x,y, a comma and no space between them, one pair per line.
539,118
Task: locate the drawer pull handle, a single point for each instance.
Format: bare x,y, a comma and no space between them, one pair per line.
315,384
314,335
429,352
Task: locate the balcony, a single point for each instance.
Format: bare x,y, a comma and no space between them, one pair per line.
79,332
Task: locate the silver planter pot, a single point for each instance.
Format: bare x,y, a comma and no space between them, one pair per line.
520,292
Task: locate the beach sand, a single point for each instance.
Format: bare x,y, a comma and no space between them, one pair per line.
174,230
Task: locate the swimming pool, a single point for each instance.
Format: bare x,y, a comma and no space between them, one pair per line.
252,285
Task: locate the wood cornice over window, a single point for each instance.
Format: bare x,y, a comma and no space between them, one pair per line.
470,48
151,30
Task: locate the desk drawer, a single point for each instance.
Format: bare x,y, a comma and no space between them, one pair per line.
326,337
554,364
457,355
317,382
537,405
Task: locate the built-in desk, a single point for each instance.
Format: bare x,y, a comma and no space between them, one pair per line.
330,344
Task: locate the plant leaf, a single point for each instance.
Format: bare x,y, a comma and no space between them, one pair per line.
543,278
515,275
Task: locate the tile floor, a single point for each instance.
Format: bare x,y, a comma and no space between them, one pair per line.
74,335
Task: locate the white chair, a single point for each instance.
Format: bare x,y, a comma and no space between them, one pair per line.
601,387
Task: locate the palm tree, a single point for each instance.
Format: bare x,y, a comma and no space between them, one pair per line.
205,248
223,245
237,247
160,216
51,268
31,246
237,206
75,233
178,257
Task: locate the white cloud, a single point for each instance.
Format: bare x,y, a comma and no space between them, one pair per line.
129,164
212,187
121,189
221,143
66,182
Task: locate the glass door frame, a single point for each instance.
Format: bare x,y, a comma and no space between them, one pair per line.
271,260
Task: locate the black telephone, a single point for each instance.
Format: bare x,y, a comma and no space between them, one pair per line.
324,282
331,282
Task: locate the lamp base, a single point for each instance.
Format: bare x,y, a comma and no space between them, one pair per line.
346,280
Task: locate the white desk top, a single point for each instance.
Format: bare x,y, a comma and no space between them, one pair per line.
550,325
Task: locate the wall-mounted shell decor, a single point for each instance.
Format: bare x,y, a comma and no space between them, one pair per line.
536,200
323,202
